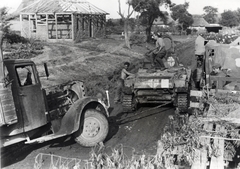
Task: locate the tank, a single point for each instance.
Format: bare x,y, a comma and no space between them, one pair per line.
152,85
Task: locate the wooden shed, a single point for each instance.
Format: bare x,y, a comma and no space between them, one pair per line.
55,20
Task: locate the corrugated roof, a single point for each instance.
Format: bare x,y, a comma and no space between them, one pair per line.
63,6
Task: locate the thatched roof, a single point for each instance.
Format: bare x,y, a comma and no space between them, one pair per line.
199,22
160,21
62,6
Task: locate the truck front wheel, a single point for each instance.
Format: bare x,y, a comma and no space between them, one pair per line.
93,130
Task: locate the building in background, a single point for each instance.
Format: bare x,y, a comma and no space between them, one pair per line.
71,20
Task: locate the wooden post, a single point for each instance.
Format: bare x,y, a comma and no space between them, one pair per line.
73,24
36,23
29,26
21,22
47,34
218,162
56,26
1,57
201,159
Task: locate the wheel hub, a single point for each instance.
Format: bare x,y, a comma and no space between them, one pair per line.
91,127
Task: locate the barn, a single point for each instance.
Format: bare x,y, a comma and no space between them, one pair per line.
56,20
200,24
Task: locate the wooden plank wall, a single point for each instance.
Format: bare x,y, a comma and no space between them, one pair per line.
216,160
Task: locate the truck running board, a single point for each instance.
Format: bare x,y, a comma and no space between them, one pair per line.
44,138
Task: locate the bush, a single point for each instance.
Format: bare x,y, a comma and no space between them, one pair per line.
114,30
15,38
194,30
24,50
189,31
138,38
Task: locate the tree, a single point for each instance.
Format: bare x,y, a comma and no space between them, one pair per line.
126,21
229,19
210,14
110,23
4,32
180,13
237,13
149,11
4,28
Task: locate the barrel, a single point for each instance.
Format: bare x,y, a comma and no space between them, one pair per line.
8,114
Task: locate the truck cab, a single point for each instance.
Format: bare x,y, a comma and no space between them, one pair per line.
28,109
30,113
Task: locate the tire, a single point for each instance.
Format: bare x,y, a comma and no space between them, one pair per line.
94,129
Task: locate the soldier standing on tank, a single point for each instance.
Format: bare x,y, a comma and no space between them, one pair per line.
124,75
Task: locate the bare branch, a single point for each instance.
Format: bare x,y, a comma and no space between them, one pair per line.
129,14
129,9
119,12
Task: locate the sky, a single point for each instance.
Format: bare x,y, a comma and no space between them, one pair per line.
111,6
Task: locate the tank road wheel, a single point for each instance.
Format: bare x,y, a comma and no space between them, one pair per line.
127,103
182,102
93,130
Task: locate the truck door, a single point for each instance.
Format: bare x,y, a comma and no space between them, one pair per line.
31,97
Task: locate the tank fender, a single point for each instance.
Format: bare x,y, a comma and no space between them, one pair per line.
71,121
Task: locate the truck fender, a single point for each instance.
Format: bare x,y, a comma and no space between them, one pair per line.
78,88
72,119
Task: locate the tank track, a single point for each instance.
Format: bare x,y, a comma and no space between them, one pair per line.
182,102
127,103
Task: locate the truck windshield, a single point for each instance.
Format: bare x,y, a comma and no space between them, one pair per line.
25,75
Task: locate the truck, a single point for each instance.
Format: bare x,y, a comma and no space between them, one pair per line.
216,103
152,85
226,56
226,81
30,113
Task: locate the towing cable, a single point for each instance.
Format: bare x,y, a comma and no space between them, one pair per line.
142,114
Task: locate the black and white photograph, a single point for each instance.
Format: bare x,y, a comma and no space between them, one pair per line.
120,84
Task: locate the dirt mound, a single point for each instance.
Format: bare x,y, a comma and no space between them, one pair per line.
95,62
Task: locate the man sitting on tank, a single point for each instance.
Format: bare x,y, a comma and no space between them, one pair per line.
159,52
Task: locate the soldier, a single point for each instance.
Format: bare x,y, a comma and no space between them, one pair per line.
217,71
160,51
124,75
